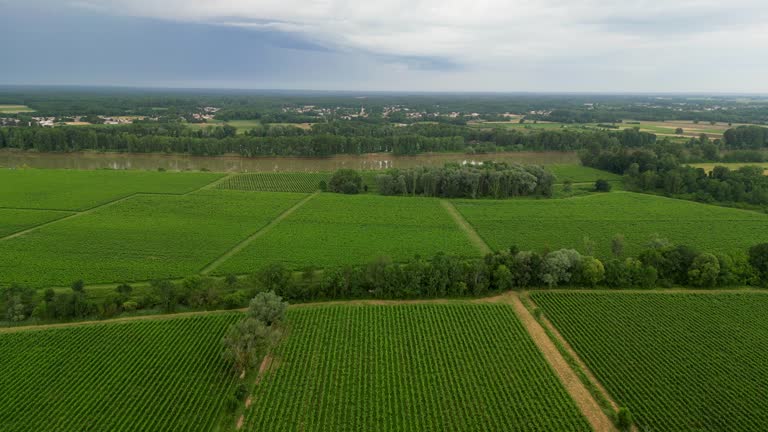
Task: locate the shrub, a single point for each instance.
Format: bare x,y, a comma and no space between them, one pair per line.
602,186
346,181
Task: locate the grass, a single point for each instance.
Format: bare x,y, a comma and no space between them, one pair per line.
275,182
13,220
14,109
432,367
244,125
580,174
142,238
143,375
680,362
334,230
79,190
564,223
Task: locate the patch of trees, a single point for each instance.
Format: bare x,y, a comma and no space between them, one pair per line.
346,181
491,180
746,137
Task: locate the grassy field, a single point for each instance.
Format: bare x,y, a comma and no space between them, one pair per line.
680,362
275,182
14,109
708,167
12,220
79,190
333,230
580,174
455,367
668,128
142,238
144,375
563,223
244,125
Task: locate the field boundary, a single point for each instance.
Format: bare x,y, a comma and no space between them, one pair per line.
583,398
468,229
242,245
212,184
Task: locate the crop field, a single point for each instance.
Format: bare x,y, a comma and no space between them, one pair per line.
13,220
580,174
14,109
142,238
446,367
680,362
143,375
564,223
244,125
78,190
275,182
333,230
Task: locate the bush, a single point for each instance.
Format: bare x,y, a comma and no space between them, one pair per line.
346,181
602,186
624,419
130,306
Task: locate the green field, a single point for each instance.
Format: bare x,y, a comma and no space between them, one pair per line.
12,220
14,109
334,230
580,174
142,238
146,375
78,190
563,223
680,362
450,367
275,182
708,167
244,125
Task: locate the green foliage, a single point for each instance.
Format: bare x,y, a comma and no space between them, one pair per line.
418,362
563,223
268,308
142,238
79,190
140,375
758,258
275,182
12,220
346,181
624,419
246,342
602,186
677,361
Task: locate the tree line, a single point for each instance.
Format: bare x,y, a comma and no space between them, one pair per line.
659,264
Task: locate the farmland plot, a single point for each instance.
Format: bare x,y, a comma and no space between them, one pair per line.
680,362
147,375
438,367
144,237
564,223
79,190
336,229
12,220
275,182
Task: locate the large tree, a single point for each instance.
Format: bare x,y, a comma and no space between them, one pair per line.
246,342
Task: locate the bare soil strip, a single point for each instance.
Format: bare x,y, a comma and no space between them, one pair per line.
212,184
240,246
579,393
473,236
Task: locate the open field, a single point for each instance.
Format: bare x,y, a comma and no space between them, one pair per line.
580,174
141,375
275,182
79,190
333,230
15,109
13,220
563,223
708,167
144,237
244,125
448,367
680,362
662,128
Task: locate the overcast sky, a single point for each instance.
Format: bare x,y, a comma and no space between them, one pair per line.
406,45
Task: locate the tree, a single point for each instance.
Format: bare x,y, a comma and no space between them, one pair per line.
592,271
602,186
166,293
624,419
275,277
502,278
124,290
568,186
704,270
679,131
246,342
758,258
346,181
78,286
559,266
268,308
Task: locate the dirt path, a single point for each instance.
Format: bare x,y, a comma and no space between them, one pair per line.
579,393
474,237
240,246
264,367
212,184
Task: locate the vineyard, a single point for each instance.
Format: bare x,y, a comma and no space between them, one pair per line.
12,220
680,362
142,238
275,182
79,190
334,229
447,367
146,375
564,223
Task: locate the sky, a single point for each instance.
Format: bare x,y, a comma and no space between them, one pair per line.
675,46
